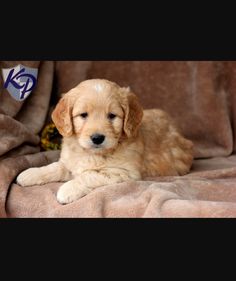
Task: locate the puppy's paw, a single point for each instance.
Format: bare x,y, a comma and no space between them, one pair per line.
70,192
29,177
182,160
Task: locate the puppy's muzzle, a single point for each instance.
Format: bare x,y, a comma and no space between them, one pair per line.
97,138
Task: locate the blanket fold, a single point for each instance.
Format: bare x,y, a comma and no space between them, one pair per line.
200,194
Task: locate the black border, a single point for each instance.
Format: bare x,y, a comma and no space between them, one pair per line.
118,31
150,233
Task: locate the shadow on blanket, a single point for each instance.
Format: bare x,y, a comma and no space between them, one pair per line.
200,96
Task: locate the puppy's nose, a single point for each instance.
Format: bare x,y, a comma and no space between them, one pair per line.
97,138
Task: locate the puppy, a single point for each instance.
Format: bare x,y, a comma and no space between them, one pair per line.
108,139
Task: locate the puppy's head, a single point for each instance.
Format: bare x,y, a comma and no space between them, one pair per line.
99,113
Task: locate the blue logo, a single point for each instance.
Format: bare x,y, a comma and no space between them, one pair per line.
20,81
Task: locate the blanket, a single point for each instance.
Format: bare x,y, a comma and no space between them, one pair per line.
200,96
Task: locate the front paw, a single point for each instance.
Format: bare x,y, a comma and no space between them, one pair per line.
70,192
29,177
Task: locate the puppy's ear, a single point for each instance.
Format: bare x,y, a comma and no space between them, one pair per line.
133,113
62,117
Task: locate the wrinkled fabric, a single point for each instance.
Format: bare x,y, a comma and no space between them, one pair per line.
208,191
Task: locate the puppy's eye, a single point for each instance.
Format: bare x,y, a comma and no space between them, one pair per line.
111,116
84,115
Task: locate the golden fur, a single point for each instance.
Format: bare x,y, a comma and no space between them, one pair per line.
137,143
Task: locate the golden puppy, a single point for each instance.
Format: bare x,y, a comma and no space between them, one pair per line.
107,139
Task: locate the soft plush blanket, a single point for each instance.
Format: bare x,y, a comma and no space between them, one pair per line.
200,96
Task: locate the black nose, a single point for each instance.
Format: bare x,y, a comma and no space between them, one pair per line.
97,138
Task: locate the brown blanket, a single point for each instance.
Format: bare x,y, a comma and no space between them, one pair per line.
200,96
